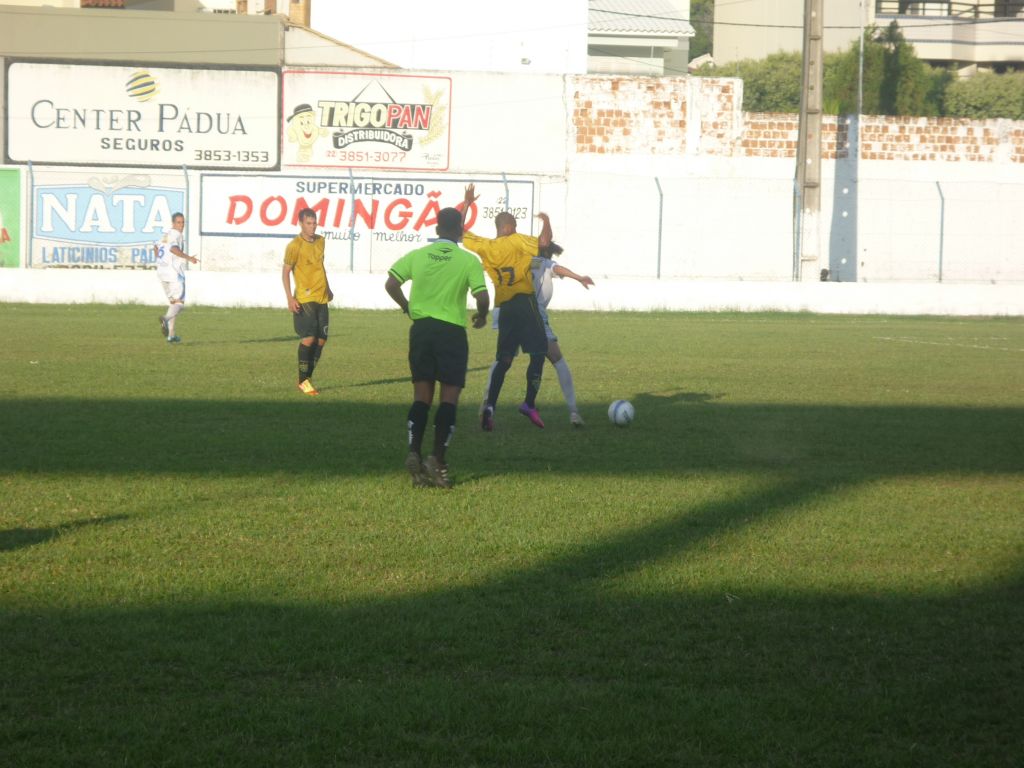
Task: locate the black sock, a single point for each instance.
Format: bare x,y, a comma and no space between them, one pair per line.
444,428
317,349
497,379
533,374
305,362
417,425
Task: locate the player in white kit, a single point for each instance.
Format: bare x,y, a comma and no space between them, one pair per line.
170,268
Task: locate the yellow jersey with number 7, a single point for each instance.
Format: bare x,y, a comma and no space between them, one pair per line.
507,261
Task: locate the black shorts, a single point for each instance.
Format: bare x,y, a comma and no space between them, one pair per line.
520,325
312,320
438,351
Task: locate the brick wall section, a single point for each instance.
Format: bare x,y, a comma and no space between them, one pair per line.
629,115
721,122
648,116
768,134
941,138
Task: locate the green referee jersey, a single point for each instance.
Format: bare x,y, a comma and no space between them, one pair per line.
441,274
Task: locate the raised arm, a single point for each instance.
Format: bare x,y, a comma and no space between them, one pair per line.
468,199
544,238
583,280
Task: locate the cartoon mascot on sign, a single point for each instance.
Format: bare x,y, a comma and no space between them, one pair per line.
303,130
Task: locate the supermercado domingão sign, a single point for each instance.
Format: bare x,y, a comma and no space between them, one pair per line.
363,120
399,209
368,221
140,115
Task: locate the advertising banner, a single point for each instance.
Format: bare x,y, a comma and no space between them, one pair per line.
10,217
101,219
360,120
142,116
376,218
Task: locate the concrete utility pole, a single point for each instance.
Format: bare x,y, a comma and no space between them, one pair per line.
807,206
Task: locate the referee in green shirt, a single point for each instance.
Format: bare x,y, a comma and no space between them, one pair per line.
441,274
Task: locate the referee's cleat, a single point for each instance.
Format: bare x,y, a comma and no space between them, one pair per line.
532,414
163,326
576,420
415,467
306,387
487,419
174,339
437,472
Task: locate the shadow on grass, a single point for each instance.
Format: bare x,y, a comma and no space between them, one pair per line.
645,399
672,434
563,663
275,339
401,380
191,342
547,665
18,538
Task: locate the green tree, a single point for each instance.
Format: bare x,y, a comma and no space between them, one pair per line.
769,85
702,18
987,95
904,80
895,81
842,76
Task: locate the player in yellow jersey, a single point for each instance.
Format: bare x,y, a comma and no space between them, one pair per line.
308,303
544,268
507,259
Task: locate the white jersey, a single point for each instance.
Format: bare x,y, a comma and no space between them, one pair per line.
169,267
542,270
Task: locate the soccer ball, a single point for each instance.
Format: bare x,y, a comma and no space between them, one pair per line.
621,413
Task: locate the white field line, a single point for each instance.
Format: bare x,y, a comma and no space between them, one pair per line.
908,340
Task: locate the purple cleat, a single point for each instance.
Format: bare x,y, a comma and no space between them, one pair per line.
532,414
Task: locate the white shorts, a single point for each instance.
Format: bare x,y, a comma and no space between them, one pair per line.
547,326
174,289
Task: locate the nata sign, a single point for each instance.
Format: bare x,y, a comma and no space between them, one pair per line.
140,115
101,219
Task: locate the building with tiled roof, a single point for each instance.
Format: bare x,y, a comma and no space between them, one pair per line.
639,37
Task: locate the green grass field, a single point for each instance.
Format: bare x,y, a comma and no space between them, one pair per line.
807,551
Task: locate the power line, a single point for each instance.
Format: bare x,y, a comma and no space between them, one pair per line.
169,18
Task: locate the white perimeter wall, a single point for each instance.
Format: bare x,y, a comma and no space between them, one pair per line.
687,232
366,291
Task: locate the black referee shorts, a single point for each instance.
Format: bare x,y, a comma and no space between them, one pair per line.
438,351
